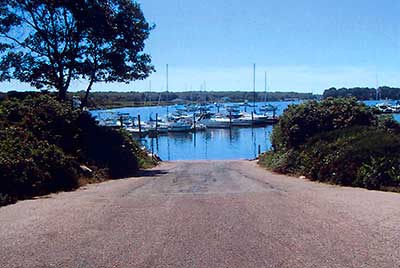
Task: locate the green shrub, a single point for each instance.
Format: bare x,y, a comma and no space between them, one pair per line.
379,172
300,122
43,142
337,156
75,132
339,141
30,167
109,148
47,119
282,162
388,123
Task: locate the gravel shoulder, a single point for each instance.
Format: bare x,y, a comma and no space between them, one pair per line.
204,214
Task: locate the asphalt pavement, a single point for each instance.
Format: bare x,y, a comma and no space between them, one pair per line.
204,214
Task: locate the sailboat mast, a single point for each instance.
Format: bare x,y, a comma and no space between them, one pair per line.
147,96
167,89
254,87
265,86
150,92
377,93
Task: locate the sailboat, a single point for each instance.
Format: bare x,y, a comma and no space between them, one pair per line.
267,107
178,125
247,119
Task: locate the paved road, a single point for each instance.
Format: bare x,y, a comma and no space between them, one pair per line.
204,214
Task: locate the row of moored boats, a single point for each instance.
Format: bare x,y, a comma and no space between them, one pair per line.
186,120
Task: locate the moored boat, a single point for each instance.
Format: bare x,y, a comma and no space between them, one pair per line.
179,126
216,121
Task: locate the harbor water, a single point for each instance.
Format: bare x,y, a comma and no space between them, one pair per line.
210,144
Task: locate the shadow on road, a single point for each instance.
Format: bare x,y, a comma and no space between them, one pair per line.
150,173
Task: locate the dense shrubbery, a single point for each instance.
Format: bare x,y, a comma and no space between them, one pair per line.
338,141
106,147
300,122
43,143
29,166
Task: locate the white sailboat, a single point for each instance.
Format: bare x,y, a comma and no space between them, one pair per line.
176,126
266,107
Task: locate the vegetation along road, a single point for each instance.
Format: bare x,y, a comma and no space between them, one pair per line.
204,214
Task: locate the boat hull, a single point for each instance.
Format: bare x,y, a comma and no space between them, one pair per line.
216,124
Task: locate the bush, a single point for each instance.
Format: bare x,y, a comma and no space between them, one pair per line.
338,155
30,167
300,122
387,122
282,162
338,141
75,132
43,142
379,172
46,118
108,148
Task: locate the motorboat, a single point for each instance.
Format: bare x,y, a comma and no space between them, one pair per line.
233,108
137,131
199,127
245,120
268,108
387,108
217,121
179,126
157,127
110,122
126,120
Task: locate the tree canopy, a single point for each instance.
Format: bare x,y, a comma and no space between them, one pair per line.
363,93
49,43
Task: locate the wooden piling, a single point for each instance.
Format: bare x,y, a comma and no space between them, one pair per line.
194,122
140,126
156,123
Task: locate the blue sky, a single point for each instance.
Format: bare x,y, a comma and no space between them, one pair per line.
304,45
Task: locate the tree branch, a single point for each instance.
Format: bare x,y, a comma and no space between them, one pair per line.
23,45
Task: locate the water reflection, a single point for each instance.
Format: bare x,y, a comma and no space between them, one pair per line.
212,144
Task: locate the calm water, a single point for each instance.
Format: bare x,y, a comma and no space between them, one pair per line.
212,144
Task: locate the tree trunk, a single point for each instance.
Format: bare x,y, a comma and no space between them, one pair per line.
85,99
62,94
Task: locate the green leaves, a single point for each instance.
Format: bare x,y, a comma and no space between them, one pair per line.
300,122
50,43
32,167
339,141
43,141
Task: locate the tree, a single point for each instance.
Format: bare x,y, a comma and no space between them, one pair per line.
49,43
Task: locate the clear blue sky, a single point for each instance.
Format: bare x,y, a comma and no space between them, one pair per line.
304,45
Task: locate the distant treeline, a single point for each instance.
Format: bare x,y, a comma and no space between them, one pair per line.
109,99
119,99
364,93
